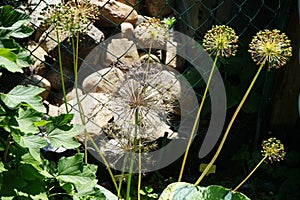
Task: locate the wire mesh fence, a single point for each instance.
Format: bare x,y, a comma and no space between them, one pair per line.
193,18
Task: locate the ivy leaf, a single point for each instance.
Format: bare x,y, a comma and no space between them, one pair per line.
181,190
73,170
8,60
33,142
65,138
24,94
26,120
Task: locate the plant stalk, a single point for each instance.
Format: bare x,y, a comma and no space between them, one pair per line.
61,72
133,155
229,125
237,187
196,120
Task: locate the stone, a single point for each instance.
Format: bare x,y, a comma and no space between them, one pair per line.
70,95
96,113
112,13
52,110
103,80
127,29
38,55
37,80
87,42
159,8
123,50
136,4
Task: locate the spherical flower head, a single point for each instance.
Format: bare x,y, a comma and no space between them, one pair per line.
273,150
152,33
220,41
72,16
140,101
271,47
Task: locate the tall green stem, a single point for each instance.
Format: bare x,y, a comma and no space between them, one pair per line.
132,157
250,174
140,171
229,125
61,71
196,120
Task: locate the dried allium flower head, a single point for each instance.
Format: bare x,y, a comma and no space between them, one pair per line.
273,150
270,47
220,41
141,94
73,16
152,32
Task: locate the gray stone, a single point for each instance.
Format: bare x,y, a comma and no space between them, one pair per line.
122,50
103,80
94,109
112,13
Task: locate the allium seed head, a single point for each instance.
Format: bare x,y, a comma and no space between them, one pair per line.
220,41
272,47
141,93
152,32
273,150
72,16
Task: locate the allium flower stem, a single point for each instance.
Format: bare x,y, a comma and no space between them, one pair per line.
250,174
197,119
132,157
61,71
230,124
140,171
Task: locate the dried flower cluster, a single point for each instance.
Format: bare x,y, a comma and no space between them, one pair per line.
220,41
272,47
140,100
152,32
273,150
72,16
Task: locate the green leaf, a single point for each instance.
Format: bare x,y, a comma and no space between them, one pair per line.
65,138
13,23
73,170
26,119
2,111
24,94
8,60
181,190
2,168
33,142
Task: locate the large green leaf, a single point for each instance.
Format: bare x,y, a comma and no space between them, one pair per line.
187,191
82,176
13,23
8,60
65,138
33,142
24,94
26,119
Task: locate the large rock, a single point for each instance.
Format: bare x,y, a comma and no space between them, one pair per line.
104,80
136,4
122,50
159,8
112,13
87,42
97,115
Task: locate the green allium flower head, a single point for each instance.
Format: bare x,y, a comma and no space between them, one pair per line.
72,16
272,47
273,150
152,32
220,41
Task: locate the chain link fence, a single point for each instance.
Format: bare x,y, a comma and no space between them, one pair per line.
193,18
